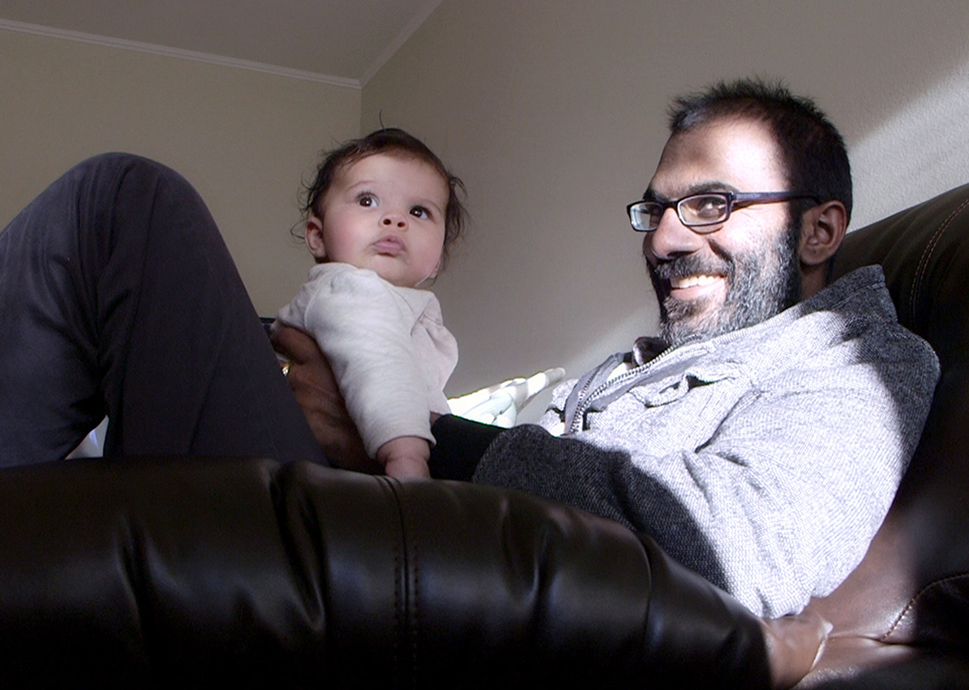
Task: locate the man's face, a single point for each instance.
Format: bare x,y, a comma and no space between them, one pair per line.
747,269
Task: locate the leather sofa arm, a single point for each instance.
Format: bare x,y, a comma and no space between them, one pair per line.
146,572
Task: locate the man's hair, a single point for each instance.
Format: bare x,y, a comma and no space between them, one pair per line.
397,142
813,149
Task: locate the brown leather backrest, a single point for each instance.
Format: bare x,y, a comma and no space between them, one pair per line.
913,585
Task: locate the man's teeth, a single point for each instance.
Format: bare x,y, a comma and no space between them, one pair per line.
692,281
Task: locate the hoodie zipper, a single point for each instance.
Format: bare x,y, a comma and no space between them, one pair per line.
585,403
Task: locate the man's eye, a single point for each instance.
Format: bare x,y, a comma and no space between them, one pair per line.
707,206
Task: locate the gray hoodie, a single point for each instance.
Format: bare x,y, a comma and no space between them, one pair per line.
765,459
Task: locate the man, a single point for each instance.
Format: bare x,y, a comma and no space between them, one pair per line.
764,446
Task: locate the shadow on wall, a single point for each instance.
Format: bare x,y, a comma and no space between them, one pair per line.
918,153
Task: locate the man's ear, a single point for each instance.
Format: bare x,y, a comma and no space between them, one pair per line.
314,237
822,231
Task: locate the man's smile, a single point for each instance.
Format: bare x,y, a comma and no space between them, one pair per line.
701,280
690,278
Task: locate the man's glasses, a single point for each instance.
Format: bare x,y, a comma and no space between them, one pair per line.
702,212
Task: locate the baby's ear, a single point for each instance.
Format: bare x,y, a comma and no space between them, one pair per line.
433,274
314,237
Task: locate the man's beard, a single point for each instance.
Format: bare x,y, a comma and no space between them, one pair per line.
759,285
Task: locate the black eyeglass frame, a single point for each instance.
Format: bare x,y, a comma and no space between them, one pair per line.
734,200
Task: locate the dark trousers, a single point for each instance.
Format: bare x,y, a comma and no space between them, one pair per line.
118,297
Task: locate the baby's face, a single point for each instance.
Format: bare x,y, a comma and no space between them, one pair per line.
385,213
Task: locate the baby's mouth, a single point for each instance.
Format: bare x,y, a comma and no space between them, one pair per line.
389,245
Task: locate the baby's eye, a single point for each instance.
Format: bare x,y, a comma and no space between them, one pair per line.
366,200
420,212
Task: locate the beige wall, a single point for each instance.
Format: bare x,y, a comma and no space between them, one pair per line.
551,110
244,138
553,113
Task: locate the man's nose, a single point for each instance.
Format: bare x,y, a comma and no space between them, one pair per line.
670,238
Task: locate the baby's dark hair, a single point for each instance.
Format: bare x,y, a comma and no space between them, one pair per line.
394,141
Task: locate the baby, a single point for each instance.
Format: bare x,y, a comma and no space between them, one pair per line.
380,218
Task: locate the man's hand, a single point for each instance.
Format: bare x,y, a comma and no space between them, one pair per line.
316,392
794,644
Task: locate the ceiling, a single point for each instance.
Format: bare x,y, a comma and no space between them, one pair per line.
344,41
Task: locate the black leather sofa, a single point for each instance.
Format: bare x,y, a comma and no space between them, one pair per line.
165,572
901,620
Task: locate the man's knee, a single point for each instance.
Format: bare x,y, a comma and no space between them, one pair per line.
141,196
127,167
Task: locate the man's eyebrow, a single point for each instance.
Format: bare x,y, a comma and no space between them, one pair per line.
701,188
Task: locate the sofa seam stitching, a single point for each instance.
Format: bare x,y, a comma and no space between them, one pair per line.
914,600
929,251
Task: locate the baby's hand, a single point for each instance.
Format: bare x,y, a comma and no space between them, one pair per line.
405,456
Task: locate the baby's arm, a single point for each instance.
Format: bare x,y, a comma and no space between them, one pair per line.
405,456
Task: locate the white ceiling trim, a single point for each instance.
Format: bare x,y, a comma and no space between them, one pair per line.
217,59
